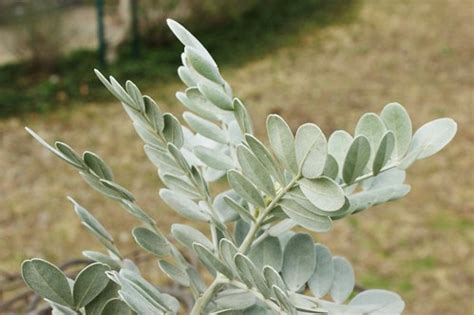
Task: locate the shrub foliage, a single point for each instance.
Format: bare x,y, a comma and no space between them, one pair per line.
258,263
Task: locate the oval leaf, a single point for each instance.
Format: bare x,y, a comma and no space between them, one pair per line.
89,283
323,192
151,241
356,160
282,141
299,261
311,150
398,121
344,280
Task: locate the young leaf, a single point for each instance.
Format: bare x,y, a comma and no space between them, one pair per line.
311,150
203,65
153,114
273,278
212,261
344,280
380,302
267,253
136,95
186,76
97,165
433,136
254,170
251,275
116,307
245,188
398,121
284,301
323,192
384,152
69,153
242,116
182,205
264,156
298,261
153,242
356,160
96,306
216,95
304,217
282,141
205,128
321,281
47,281
338,144
228,251
371,126
237,207
89,284
213,158
175,273
172,130
187,235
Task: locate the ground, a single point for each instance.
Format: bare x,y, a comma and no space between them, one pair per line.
419,53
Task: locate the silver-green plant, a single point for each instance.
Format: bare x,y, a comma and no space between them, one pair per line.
259,265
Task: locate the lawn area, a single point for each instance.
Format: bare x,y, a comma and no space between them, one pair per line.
418,53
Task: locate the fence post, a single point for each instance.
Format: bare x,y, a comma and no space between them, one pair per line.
101,31
135,30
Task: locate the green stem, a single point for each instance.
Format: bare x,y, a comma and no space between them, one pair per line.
204,299
255,226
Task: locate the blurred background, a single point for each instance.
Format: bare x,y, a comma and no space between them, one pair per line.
307,60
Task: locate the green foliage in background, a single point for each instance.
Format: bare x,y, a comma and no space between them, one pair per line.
259,30
259,265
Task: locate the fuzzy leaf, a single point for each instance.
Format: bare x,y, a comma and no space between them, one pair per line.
384,152
298,261
321,281
205,128
433,136
153,242
47,281
89,284
187,235
323,192
254,170
183,205
344,280
356,160
245,188
116,307
311,150
267,253
282,141
398,121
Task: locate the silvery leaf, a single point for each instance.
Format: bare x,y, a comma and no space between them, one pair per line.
254,170
180,184
242,117
323,192
338,144
398,121
183,205
250,275
380,302
172,130
96,306
304,217
238,208
214,158
371,126
235,299
331,168
344,280
273,278
175,273
321,281
89,283
268,252
264,156
369,198
227,251
152,241
136,95
282,141
102,258
225,212
47,280
186,77
245,188
203,65
284,301
384,152
97,165
205,127
216,95
388,178
187,235
153,114
116,307
197,103
208,258
298,261
433,136
311,150
356,160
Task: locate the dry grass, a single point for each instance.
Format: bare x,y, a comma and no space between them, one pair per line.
419,53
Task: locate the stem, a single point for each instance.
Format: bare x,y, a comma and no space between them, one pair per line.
254,228
202,301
